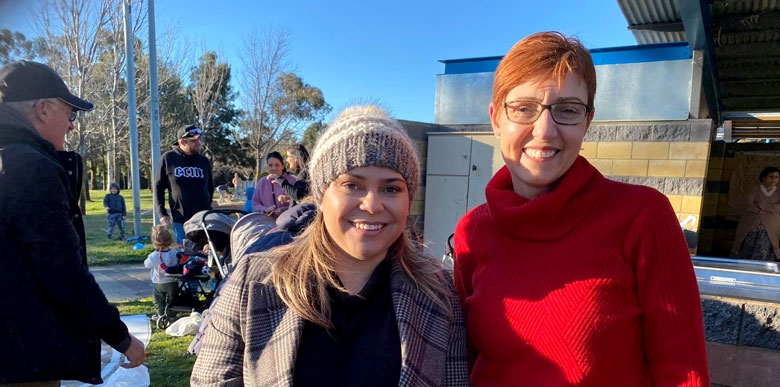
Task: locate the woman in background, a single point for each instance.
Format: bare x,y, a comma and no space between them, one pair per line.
265,199
568,278
758,231
297,161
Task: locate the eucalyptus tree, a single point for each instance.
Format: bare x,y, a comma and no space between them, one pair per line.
277,103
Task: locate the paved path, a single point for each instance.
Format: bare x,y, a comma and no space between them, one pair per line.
123,282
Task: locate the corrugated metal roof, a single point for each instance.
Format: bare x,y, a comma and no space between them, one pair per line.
744,36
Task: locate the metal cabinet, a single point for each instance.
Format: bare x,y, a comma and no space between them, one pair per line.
459,166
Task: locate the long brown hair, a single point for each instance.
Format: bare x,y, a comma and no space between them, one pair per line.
306,268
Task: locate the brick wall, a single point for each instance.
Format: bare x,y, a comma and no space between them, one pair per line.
668,156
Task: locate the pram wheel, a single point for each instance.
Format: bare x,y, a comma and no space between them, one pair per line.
163,322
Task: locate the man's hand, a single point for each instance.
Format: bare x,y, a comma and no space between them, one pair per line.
165,221
135,353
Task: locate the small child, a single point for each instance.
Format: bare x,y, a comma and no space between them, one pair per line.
159,260
115,207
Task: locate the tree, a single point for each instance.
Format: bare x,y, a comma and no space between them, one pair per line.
311,134
277,102
14,46
212,98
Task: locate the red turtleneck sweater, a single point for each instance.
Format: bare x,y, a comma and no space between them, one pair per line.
590,284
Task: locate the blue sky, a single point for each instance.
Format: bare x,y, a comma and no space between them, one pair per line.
386,51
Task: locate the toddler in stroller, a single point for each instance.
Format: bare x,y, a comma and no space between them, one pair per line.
201,265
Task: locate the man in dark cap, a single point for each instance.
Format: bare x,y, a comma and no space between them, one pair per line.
186,175
54,314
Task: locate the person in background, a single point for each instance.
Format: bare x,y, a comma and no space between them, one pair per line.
187,176
159,261
758,231
116,211
268,190
352,301
238,187
568,278
53,315
297,159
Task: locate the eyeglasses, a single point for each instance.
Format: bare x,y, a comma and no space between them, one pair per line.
72,114
192,133
564,113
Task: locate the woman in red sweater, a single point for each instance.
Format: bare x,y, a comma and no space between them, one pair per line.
568,278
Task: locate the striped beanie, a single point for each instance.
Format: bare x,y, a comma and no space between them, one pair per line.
362,136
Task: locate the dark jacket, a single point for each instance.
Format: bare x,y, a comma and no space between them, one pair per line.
188,178
298,190
115,202
74,169
53,314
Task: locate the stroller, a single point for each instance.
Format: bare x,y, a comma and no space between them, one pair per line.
199,273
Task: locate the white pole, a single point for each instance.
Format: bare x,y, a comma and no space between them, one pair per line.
154,105
132,119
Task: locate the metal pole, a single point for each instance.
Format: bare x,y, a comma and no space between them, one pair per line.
154,105
132,119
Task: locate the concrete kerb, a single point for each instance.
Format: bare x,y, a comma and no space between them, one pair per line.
123,282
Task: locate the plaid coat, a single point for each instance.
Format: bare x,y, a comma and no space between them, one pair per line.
253,337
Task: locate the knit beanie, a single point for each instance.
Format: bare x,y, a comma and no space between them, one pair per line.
362,136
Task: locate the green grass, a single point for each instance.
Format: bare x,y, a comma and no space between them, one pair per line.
168,362
103,252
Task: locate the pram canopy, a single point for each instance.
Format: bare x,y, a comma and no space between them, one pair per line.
217,224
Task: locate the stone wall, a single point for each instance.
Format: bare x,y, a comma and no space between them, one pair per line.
670,156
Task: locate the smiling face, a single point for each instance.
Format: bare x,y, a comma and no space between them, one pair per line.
539,153
365,212
274,166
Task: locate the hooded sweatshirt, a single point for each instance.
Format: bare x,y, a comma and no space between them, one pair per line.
188,179
115,202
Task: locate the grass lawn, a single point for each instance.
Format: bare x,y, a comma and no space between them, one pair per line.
169,364
103,252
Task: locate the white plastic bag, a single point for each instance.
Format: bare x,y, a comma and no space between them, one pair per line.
185,325
129,377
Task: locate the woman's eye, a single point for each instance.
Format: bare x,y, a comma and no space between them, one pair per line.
350,186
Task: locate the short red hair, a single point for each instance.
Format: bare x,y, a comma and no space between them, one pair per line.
542,56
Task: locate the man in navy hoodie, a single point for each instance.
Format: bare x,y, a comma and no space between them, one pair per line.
186,175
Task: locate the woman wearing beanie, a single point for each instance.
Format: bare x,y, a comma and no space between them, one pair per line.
568,278
353,301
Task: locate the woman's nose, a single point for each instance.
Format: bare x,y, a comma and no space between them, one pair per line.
371,202
545,126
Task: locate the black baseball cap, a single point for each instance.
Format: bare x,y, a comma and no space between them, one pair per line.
189,131
26,80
